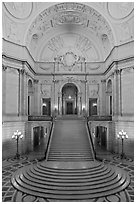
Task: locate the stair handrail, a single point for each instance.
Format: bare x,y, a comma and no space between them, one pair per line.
48,142
91,140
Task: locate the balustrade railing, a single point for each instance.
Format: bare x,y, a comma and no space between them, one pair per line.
99,118
39,118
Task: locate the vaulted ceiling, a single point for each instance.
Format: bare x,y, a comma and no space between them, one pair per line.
50,30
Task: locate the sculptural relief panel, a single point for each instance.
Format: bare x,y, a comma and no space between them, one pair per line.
93,90
46,90
12,30
125,31
19,10
68,13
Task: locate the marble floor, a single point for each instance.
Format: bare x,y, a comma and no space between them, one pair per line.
9,166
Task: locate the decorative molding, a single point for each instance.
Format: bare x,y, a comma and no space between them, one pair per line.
128,69
93,90
12,30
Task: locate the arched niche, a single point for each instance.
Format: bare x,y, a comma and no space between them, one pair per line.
30,96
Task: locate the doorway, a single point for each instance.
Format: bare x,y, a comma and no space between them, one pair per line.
38,135
46,106
92,106
100,138
69,107
69,99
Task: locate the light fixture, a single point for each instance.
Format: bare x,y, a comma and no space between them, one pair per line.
94,104
122,135
44,104
69,97
17,135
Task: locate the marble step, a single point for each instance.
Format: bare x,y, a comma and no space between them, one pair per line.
94,181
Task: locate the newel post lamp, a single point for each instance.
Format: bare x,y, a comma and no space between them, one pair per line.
16,136
122,135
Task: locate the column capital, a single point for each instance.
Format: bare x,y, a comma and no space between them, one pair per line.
36,81
55,81
117,71
22,71
103,80
4,68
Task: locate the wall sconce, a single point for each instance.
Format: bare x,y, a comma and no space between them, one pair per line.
17,135
122,135
44,104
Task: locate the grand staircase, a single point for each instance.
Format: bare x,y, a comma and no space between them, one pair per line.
70,172
70,141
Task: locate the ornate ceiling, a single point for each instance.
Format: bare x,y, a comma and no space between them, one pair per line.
51,30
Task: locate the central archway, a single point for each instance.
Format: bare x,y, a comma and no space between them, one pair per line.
69,99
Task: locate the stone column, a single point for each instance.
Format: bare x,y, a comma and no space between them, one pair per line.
36,104
79,102
116,94
60,103
103,97
19,91
22,94
4,68
26,93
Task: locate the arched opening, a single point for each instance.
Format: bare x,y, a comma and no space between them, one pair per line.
109,92
46,106
30,94
69,99
38,135
100,138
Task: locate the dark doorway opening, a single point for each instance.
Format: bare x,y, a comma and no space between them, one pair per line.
46,106
38,135
69,99
69,108
92,106
101,137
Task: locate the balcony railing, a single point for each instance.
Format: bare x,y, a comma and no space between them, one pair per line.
39,118
99,118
